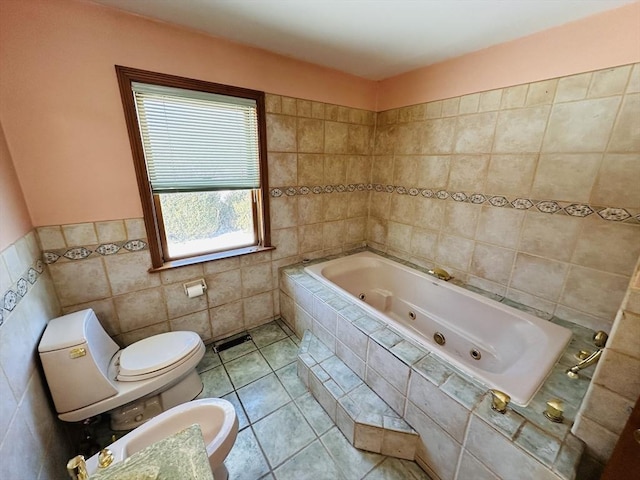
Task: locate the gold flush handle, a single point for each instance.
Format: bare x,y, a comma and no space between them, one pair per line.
105,458
555,410
78,352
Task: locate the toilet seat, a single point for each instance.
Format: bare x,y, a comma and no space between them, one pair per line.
156,355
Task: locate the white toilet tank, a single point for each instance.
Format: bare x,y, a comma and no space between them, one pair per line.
75,352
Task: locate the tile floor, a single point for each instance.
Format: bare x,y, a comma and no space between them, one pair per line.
284,433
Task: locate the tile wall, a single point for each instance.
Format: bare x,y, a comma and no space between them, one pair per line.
530,192
32,441
616,381
104,265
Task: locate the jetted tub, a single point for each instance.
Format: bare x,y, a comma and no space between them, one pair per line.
504,348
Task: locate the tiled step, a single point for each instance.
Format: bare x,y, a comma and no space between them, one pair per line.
360,414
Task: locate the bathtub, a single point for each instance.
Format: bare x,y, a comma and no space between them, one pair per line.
501,347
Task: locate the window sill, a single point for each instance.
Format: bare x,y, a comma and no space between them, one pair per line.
210,257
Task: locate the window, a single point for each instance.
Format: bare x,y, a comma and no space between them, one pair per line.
200,158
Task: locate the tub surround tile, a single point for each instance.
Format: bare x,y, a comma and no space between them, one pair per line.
435,448
450,415
407,352
620,373
433,370
471,467
388,366
433,385
506,459
386,391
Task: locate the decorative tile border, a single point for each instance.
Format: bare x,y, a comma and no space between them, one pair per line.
581,210
18,290
83,252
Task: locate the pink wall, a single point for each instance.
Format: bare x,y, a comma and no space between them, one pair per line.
13,209
61,109
604,40
62,115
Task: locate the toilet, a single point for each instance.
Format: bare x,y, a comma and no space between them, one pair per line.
88,374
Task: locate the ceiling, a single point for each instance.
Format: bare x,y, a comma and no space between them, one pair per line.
374,39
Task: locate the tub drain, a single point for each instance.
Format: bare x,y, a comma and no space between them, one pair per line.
475,354
362,296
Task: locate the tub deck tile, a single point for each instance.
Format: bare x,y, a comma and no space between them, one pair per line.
387,338
433,370
352,313
368,324
337,303
561,385
396,424
466,393
524,308
533,413
508,423
484,293
320,373
579,332
373,419
569,457
334,389
541,445
408,353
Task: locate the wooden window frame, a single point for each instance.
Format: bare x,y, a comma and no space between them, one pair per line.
151,212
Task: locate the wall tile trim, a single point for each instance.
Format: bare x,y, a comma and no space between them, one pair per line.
572,209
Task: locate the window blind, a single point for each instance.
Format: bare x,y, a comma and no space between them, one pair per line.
197,141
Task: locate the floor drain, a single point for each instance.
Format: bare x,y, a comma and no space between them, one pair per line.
229,342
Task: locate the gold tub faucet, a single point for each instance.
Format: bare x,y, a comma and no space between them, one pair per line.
440,273
600,340
77,468
499,401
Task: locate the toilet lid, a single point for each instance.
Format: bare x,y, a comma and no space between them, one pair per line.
157,352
